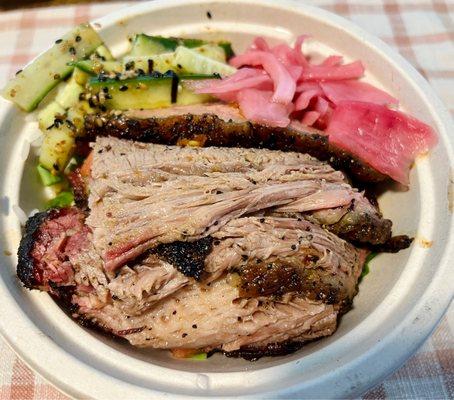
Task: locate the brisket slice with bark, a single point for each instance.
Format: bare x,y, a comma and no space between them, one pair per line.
266,281
142,195
223,125
207,248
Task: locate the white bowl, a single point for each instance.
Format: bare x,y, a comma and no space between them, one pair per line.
399,302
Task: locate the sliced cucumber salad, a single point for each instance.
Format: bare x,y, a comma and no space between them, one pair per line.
154,73
145,45
147,91
37,79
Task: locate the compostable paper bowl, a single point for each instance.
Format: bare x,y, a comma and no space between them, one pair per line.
399,302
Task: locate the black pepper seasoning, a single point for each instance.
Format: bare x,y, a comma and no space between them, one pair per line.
123,88
184,335
129,65
174,90
59,41
72,51
209,16
150,65
194,326
78,38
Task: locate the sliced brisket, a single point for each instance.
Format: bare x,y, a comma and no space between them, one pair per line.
150,303
219,249
142,195
223,125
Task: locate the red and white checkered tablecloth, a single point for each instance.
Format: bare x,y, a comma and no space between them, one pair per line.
421,30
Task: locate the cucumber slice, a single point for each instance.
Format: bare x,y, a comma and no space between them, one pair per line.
145,45
80,76
77,113
190,43
57,148
167,61
69,95
95,67
102,53
31,85
227,46
147,92
199,356
47,115
193,62
161,62
64,199
47,178
212,51
50,192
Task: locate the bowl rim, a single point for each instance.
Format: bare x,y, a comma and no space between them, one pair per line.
437,295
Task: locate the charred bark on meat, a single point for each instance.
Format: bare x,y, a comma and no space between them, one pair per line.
187,257
26,270
218,132
251,353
